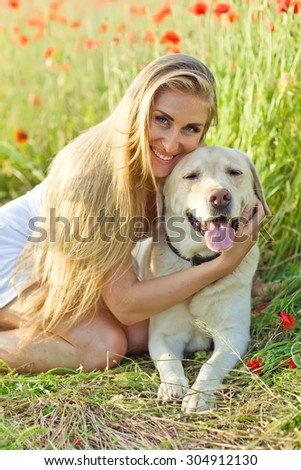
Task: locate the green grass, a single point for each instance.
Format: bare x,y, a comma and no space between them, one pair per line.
258,74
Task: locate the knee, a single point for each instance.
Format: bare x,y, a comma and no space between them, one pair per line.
107,352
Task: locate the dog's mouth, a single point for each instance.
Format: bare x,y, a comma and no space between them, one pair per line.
219,232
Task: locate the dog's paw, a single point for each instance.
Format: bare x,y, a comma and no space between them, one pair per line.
197,401
173,389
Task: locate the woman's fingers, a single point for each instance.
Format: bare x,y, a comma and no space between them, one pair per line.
250,222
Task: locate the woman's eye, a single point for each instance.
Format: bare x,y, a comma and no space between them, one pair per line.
193,130
162,120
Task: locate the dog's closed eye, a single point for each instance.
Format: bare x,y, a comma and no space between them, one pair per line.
234,172
191,176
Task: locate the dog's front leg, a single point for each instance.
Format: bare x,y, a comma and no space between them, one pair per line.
226,353
166,350
174,384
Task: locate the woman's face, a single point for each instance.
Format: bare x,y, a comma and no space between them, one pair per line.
176,128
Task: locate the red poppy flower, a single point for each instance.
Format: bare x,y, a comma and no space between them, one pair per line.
74,24
138,11
297,7
49,51
93,43
255,366
287,320
174,50
34,99
170,37
36,22
283,5
23,40
233,16
291,364
54,6
164,11
198,8
103,27
149,36
221,8
261,306
66,67
271,26
21,136
13,3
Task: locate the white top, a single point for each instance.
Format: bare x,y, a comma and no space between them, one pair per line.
15,229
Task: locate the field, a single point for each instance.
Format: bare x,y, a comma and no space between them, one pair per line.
64,67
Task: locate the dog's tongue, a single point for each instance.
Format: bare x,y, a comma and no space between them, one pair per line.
220,236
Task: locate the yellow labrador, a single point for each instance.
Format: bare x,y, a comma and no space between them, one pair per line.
202,200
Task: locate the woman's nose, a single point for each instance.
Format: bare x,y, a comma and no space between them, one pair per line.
171,142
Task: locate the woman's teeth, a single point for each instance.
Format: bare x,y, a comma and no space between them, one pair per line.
162,157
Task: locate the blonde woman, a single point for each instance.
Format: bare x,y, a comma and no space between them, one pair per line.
82,303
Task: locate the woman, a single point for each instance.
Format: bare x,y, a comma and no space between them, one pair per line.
82,301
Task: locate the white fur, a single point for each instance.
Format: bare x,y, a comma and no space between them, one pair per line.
219,313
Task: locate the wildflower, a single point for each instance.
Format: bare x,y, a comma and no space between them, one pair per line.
138,11
264,303
35,22
103,27
74,24
49,51
54,6
174,50
221,8
287,320
93,43
164,11
13,3
170,37
131,37
23,40
255,366
283,5
66,67
34,99
149,36
21,136
271,26
291,364
198,8
233,16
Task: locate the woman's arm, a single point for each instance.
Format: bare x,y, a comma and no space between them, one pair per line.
132,301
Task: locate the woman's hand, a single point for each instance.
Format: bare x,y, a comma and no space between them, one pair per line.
245,237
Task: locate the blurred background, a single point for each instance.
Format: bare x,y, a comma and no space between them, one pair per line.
65,65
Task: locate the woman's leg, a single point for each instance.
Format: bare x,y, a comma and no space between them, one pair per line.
97,342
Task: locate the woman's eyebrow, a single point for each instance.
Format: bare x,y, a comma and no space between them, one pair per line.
172,119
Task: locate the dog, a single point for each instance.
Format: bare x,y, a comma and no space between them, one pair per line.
201,201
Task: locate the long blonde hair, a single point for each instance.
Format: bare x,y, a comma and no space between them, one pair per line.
97,185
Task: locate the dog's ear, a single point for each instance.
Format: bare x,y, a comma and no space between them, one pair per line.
258,188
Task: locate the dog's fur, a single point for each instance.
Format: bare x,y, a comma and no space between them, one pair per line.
210,182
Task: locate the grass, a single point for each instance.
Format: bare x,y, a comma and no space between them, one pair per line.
259,83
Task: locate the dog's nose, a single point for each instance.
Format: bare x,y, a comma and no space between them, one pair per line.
220,198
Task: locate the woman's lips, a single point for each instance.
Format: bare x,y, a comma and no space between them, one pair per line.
162,157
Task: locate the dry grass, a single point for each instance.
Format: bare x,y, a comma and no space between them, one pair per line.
117,409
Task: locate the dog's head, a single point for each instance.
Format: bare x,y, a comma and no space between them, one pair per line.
208,189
